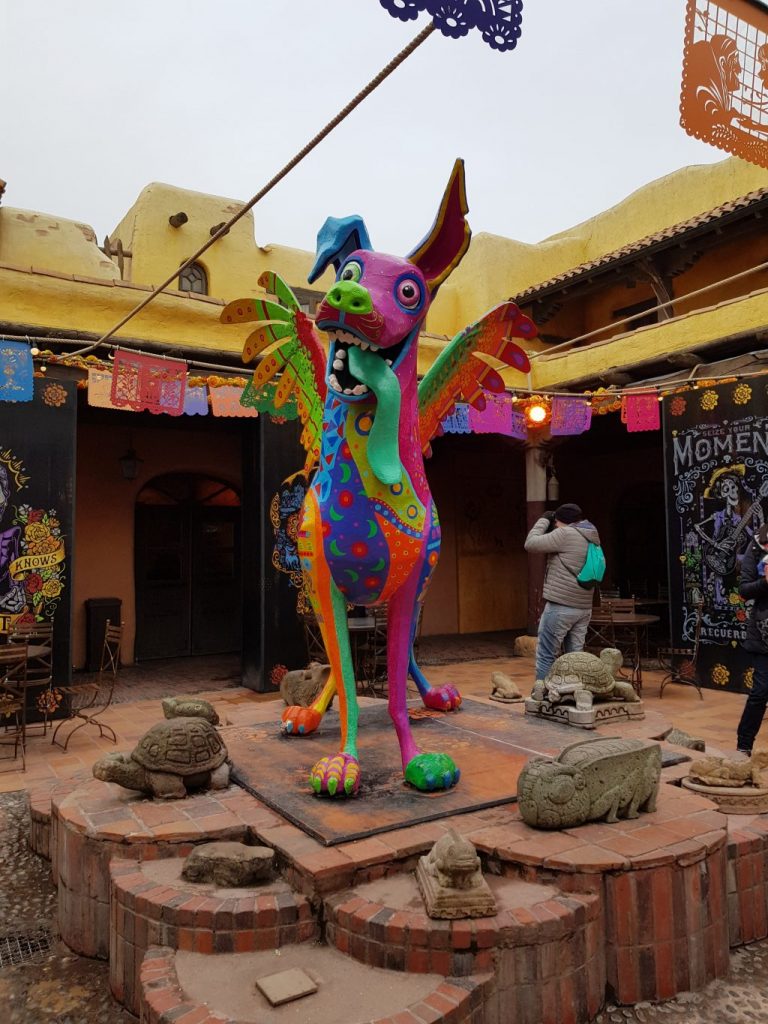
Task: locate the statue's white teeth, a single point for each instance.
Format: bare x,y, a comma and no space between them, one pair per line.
360,389
364,345
341,353
348,391
338,364
333,381
388,362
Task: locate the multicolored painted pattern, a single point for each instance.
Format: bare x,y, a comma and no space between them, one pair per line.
369,532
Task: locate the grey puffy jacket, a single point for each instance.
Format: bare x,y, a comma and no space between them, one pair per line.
566,547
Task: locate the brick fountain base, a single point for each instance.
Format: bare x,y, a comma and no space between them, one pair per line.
637,910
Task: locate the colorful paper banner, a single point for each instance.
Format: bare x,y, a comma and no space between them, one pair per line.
196,401
458,421
16,372
225,401
148,382
570,416
100,389
641,412
495,418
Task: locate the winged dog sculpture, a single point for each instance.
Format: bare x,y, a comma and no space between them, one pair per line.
369,532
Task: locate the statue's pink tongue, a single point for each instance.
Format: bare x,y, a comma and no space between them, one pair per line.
383,446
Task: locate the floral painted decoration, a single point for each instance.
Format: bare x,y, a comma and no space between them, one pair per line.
499,21
40,563
748,678
720,675
55,395
709,400
742,394
678,405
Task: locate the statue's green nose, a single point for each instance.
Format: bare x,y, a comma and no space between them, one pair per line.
349,297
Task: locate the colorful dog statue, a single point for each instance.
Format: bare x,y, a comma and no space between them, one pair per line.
369,533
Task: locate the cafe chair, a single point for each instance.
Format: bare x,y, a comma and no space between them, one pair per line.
313,638
680,662
38,637
374,653
13,718
87,702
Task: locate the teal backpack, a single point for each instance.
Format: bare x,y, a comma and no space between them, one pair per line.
593,569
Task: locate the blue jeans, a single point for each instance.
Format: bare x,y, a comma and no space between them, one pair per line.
561,630
754,709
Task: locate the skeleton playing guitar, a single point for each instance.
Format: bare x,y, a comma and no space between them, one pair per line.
720,551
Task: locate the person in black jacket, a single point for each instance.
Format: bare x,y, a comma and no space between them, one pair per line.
753,586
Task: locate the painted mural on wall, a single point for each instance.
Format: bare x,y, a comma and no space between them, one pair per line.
716,442
724,98
37,460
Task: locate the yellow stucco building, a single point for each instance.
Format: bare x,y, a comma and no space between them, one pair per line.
675,236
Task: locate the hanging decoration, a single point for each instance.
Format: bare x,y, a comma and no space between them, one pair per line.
458,421
148,382
495,417
196,401
499,21
225,401
100,388
724,96
570,416
537,410
641,412
16,372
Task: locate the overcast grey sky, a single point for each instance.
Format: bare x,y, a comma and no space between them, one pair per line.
99,98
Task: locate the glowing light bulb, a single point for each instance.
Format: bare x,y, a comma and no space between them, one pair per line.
35,350
537,413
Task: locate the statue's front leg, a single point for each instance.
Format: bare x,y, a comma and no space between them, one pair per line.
424,770
337,774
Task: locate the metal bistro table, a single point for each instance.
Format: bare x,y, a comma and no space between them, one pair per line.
610,629
361,632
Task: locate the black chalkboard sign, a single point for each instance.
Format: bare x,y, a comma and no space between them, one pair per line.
716,456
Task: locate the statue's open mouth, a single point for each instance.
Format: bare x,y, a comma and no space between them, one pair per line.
341,378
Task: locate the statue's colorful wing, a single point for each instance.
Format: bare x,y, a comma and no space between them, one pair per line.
458,375
289,380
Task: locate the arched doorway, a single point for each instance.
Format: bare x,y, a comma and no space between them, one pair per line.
187,567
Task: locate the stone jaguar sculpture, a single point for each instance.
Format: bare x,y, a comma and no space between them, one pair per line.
571,674
173,757
600,779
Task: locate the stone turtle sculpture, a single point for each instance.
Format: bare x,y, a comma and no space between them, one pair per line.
579,672
190,707
173,757
601,779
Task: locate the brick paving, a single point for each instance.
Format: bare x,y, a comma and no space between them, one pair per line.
737,1001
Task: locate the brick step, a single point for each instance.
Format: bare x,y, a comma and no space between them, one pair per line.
184,986
544,947
151,904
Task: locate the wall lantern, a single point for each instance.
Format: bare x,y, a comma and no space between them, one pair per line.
130,464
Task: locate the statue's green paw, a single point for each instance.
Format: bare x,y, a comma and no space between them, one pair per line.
431,771
337,776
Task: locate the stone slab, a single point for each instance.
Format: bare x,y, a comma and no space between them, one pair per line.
585,718
285,986
488,743
732,800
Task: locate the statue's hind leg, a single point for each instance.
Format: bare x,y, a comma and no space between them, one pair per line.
422,770
338,774
438,698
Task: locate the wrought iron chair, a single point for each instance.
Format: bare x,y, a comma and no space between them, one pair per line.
680,662
13,706
87,702
38,636
375,653
313,638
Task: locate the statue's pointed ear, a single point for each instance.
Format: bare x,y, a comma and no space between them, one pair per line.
441,251
336,239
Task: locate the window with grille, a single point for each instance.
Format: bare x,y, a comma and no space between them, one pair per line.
194,279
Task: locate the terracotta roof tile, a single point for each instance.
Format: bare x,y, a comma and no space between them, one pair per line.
666,234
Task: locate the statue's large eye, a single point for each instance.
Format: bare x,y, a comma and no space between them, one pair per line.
562,790
352,271
408,293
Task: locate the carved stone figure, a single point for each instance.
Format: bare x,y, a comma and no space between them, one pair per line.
721,771
682,739
504,689
229,865
451,880
600,779
579,671
173,757
190,707
302,687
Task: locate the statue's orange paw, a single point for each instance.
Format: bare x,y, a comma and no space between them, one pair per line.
442,698
298,721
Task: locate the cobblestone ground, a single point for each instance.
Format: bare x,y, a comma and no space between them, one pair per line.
61,988
57,987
